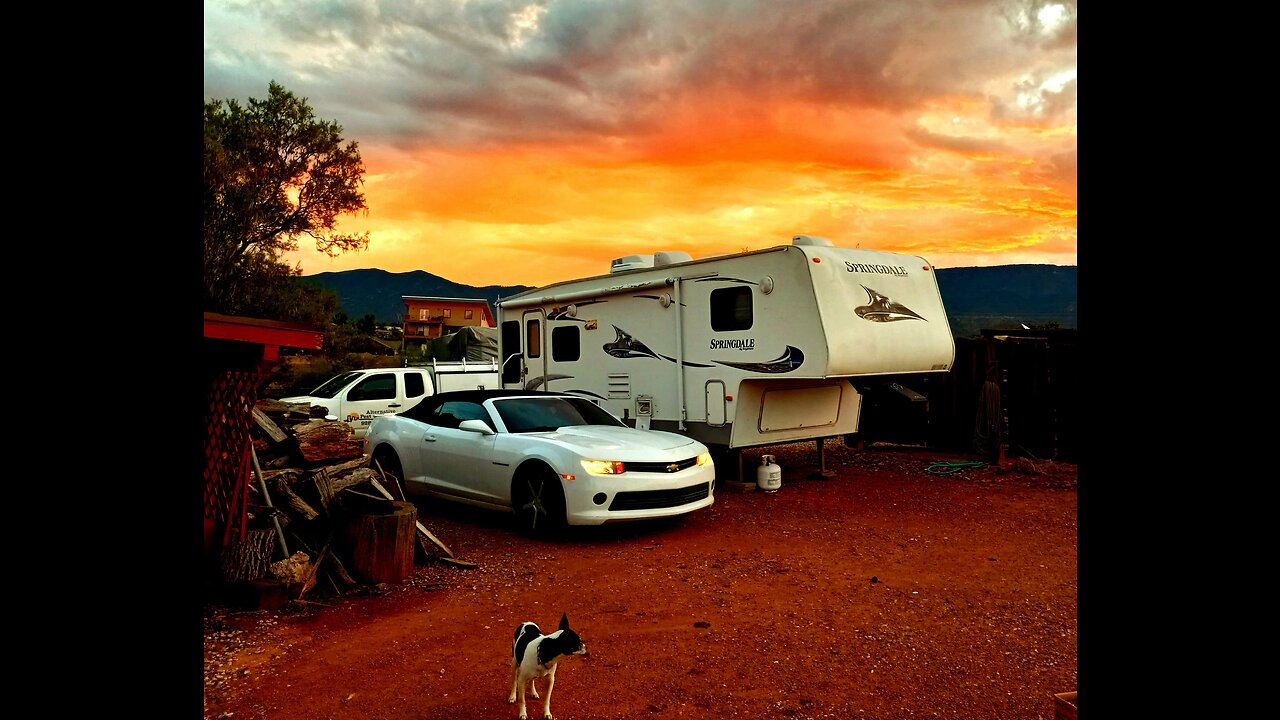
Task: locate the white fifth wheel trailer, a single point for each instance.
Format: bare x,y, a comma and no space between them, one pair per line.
755,348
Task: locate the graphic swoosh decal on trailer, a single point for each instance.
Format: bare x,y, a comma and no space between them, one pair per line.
727,279
626,347
535,383
791,359
881,309
561,313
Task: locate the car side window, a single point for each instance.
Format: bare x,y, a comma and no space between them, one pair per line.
451,414
375,387
413,385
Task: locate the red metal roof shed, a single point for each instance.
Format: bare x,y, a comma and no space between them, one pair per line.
237,351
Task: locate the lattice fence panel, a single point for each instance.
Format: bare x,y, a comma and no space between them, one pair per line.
227,468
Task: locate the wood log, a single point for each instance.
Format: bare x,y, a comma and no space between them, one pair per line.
381,546
328,486
338,570
248,559
288,499
283,461
343,468
389,480
322,441
420,527
272,430
279,409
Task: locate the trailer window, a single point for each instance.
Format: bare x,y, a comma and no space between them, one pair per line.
731,308
565,345
532,339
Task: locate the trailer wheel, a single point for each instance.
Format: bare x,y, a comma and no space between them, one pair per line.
538,502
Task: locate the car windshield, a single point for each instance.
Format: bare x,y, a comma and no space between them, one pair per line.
527,415
334,385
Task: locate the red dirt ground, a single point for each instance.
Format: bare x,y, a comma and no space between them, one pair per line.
883,591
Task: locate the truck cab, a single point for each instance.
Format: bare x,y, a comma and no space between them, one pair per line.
358,396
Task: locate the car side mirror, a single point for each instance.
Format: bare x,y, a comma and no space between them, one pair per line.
476,426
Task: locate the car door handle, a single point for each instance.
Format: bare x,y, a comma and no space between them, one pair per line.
429,438
394,405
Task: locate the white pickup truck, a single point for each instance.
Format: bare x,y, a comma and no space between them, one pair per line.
359,396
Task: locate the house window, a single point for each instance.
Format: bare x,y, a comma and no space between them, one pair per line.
423,313
468,314
565,345
447,312
731,308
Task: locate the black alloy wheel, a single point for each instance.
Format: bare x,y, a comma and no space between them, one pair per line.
538,502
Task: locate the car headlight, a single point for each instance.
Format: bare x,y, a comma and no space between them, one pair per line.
604,467
704,458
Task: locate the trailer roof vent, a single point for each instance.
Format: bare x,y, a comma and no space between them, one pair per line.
670,257
811,240
630,262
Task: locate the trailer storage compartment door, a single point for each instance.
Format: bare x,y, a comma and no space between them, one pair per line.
805,407
715,403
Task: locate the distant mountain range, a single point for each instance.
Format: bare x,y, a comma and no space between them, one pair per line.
976,298
378,292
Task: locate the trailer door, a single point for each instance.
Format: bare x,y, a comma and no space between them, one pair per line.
512,364
533,371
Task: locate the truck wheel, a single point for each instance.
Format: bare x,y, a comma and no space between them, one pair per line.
538,502
387,459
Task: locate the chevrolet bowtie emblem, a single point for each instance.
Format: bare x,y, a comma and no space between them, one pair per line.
673,467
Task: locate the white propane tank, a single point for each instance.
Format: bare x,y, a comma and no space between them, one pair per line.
768,475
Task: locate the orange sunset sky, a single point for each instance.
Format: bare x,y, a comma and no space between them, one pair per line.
527,143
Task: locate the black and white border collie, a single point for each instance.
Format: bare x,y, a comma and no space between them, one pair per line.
534,655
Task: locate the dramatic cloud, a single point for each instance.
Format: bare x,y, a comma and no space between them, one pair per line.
509,141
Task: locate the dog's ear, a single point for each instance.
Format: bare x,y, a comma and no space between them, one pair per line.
564,621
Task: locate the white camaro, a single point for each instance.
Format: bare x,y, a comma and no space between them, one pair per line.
553,459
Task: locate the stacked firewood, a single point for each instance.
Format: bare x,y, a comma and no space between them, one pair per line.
311,483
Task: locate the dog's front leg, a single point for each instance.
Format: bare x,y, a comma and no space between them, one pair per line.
546,704
515,682
524,714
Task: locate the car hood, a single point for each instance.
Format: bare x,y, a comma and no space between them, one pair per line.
305,399
623,443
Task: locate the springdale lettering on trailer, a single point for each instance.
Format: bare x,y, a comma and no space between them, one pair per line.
734,344
898,270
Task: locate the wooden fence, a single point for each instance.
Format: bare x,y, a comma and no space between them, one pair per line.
1036,372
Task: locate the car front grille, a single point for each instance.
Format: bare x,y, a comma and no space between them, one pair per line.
661,467
651,499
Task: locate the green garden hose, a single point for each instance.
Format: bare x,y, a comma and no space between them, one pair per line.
942,467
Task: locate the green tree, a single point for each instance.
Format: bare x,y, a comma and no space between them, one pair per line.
366,325
274,173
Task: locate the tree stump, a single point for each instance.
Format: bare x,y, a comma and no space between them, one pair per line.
248,559
381,544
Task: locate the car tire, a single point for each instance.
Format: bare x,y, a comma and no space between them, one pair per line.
387,459
538,502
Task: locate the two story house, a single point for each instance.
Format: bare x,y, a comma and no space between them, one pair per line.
430,317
